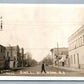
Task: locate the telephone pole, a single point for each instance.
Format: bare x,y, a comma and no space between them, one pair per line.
10,47
58,53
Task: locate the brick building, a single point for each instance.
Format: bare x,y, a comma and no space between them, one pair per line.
13,53
2,57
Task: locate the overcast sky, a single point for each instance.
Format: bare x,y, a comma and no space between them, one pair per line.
38,29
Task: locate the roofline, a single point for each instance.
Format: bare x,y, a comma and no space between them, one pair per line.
3,46
59,48
76,32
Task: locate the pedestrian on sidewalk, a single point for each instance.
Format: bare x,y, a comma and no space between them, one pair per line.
43,68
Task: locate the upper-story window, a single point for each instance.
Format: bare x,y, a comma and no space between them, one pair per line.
80,41
74,59
3,57
83,39
1,50
77,43
7,54
71,60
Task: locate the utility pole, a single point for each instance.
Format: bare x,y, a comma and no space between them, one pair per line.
11,50
52,55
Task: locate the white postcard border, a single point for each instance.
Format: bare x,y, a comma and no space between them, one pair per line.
37,77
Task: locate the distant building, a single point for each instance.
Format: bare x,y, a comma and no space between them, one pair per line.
28,58
76,48
2,57
59,56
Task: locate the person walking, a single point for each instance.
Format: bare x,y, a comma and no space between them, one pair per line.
43,68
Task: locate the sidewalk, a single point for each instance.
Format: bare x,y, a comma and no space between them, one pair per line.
11,69
17,68
70,69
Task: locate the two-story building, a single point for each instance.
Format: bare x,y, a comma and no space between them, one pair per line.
12,52
59,56
76,48
2,57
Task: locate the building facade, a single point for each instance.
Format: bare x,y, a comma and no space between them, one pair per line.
76,48
59,56
21,57
2,57
13,55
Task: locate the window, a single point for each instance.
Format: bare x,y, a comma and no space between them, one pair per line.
3,57
74,59
83,39
71,60
80,41
1,49
7,54
78,57
77,43
72,46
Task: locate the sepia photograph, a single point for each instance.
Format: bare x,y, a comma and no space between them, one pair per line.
41,40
